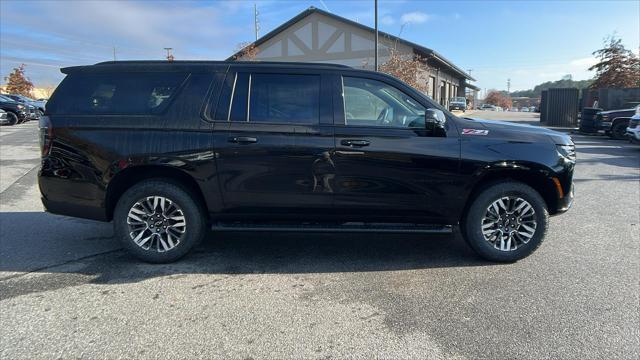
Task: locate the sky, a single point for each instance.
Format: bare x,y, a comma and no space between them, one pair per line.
528,42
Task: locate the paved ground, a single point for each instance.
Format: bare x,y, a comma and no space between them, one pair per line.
66,290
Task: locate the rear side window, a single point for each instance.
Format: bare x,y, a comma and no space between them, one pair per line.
145,93
280,98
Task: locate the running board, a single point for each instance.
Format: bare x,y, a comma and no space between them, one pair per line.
348,227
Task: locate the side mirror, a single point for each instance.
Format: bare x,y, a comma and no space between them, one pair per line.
434,119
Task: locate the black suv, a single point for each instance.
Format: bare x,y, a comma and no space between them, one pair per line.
168,150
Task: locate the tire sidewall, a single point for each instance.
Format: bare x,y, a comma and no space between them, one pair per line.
617,131
193,213
473,221
13,118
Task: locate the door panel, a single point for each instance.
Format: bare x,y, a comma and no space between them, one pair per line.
273,165
399,173
388,166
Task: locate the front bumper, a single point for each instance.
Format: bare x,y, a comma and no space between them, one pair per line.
566,202
633,135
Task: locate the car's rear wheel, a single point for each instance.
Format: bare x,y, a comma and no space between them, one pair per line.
159,221
506,222
618,130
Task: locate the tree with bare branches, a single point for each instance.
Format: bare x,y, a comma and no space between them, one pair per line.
498,98
247,51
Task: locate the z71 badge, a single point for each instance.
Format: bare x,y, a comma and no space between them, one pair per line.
474,132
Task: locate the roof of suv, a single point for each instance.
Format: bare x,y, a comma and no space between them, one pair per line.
141,65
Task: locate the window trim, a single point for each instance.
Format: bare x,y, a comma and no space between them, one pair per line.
233,91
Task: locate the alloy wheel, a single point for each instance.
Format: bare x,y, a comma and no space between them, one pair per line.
509,223
156,223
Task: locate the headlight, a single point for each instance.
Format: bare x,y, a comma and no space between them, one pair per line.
567,151
20,106
605,117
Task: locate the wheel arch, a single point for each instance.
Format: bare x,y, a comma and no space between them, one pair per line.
538,180
125,179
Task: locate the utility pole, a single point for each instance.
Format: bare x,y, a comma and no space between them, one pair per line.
256,23
375,58
508,86
169,54
114,53
469,71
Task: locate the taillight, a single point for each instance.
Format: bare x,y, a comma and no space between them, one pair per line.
46,135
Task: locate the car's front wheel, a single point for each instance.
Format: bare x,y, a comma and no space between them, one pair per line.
13,118
158,221
506,222
618,130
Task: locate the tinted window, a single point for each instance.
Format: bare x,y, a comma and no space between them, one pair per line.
373,103
280,98
116,93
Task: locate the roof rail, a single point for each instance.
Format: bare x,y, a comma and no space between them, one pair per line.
214,62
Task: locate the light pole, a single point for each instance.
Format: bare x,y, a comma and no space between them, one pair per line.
375,57
169,55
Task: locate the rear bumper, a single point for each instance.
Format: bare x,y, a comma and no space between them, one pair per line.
74,210
64,197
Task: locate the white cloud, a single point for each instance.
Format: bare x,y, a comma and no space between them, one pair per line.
387,20
415,17
584,62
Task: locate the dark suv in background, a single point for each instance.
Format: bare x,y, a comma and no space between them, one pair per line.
16,112
167,150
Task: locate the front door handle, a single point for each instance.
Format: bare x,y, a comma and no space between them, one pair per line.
243,140
358,143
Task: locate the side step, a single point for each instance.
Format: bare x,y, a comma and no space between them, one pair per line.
346,227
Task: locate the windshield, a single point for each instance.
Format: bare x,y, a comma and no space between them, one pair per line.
4,98
459,99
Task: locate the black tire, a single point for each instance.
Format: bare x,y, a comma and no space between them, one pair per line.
618,130
13,118
194,216
471,226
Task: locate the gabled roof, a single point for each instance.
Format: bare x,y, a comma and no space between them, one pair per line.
419,49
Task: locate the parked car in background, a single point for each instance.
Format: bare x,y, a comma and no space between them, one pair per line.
614,122
4,120
38,104
16,112
633,129
488,107
169,150
524,109
33,112
458,103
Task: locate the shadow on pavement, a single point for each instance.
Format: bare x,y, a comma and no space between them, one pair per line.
86,248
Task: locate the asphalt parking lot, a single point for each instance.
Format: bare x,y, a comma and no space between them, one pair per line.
68,291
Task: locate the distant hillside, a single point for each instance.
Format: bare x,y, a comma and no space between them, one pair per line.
565,82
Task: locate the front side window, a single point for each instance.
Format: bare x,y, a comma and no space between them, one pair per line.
281,98
370,102
122,93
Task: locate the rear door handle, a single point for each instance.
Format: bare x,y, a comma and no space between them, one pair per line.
358,143
243,140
